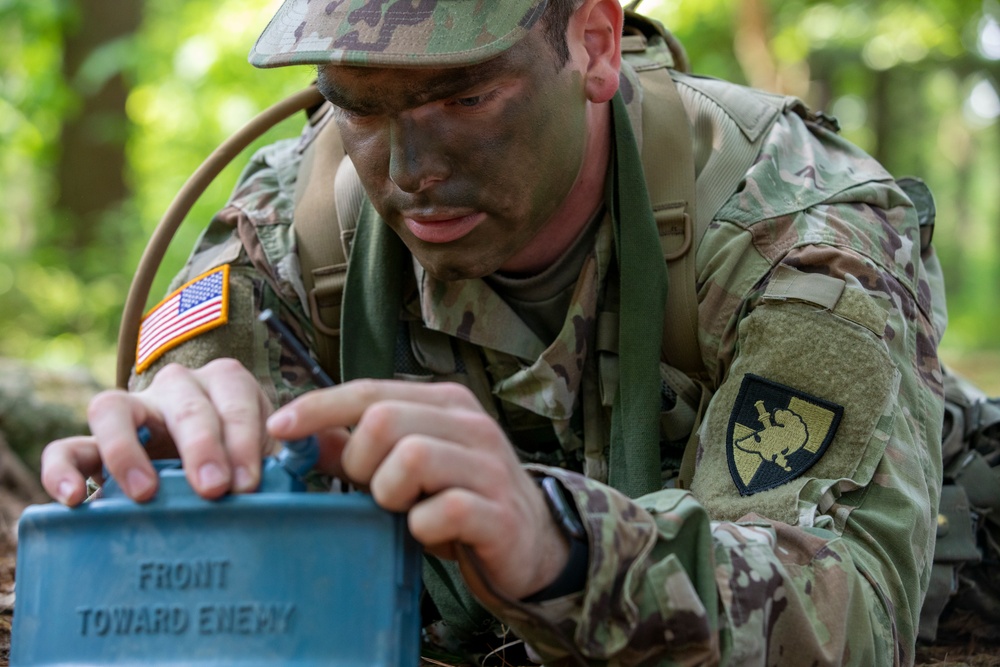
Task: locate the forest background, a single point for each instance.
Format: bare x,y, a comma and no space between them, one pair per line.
107,106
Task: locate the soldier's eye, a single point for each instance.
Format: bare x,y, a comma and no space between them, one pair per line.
474,101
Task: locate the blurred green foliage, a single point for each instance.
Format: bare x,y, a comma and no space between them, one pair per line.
914,83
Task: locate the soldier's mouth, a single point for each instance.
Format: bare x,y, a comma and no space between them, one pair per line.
442,227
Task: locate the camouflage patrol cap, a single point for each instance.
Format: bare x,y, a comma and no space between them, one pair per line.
394,33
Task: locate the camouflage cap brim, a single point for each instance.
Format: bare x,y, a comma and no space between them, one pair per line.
393,33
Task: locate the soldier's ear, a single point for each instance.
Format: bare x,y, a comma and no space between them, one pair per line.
598,24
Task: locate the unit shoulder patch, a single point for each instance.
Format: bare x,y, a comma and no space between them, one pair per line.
776,433
197,306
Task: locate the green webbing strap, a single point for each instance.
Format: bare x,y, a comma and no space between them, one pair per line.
634,461
372,299
369,322
458,607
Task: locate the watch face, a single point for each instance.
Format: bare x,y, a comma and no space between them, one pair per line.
563,510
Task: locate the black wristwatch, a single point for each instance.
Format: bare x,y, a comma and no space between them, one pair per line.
562,508
573,577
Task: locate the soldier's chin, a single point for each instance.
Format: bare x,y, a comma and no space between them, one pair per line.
450,271
454,263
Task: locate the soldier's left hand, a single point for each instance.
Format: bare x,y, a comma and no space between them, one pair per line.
431,451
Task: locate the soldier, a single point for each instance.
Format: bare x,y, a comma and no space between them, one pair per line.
773,505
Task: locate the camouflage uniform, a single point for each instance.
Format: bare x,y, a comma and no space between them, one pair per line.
814,299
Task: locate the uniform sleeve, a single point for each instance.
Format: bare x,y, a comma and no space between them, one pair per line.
253,236
244,338
808,532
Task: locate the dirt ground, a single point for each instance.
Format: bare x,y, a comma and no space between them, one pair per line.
966,653
6,602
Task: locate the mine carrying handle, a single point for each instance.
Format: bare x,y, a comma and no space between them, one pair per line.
152,256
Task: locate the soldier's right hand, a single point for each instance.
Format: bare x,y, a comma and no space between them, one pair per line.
212,418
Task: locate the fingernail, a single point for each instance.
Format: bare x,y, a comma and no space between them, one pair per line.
280,421
138,482
244,480
65,491
210,476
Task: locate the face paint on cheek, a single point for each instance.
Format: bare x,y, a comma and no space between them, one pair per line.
558,140
367,150
523,160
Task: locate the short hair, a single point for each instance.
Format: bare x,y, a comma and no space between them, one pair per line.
554,23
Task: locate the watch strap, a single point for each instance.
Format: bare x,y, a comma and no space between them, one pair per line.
573,577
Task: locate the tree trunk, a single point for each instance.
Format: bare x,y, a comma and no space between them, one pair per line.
882,116
91,169
751,44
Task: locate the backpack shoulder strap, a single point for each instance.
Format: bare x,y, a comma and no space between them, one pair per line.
327,198
700,136
668,163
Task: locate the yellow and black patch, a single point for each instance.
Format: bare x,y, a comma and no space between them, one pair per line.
776,433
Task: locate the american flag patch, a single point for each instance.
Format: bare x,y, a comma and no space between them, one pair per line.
196,307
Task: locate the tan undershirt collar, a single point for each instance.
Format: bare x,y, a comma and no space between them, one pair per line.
542,300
